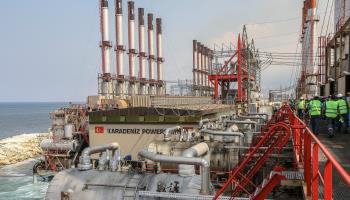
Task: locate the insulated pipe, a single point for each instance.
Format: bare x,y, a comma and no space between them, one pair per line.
205,165
69,145
221,133
169,131
159,49
240,122
119,36
251,117
197,150
258,114
227,133
85,159
194,62
142,51
206,120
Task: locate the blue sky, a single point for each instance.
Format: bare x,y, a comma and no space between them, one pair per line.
49,49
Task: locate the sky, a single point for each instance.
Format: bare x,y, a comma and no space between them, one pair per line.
50,49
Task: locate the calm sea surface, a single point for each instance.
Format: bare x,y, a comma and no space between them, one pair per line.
18,118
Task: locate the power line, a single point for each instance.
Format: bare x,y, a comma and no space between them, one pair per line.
273,22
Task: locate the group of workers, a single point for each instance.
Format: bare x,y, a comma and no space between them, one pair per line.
334,109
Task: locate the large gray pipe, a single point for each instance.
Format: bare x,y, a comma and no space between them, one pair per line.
205,165
197,150
227,135
221,133
169,131
239,122
85,159
260,114
204,121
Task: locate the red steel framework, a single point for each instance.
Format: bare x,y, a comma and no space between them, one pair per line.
283,127
237,72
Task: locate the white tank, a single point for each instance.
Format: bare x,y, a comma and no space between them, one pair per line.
68,131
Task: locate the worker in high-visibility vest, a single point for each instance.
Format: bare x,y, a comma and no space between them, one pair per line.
315,107
301,108
331,114
343,111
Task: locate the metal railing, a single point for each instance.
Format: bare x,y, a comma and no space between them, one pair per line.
308,148
318,170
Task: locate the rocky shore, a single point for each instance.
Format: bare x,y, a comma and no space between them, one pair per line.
20,147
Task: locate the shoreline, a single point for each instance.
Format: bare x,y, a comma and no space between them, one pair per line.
20,147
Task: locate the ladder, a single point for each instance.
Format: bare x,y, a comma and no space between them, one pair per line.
273,138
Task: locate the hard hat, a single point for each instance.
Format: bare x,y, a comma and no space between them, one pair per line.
301,98
339,95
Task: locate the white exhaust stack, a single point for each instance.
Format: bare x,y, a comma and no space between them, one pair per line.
205,68
106,86
194,71
151,54
120,48
199,66
142,52
211,57
160,88
132,51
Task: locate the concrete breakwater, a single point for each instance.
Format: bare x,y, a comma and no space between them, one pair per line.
20,147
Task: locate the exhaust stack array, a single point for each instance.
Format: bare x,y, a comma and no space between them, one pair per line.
202,65
137,83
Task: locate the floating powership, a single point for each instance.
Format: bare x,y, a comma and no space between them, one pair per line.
134,141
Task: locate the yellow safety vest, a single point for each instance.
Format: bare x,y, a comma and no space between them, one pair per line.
331,109
315,107
342,106
301,104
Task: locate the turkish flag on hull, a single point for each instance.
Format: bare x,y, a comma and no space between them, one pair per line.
99,129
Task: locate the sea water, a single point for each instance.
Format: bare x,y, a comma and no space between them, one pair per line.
16,181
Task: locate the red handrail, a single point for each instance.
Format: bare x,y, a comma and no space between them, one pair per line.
306,148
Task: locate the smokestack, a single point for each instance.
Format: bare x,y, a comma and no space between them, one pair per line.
199,67
210,65
105,44
150,51
202,65
120,48
159,49
142,53
106,88
119,37
132,51
312,4
194,71
206,65
131,38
